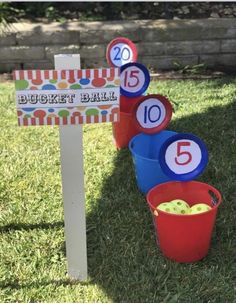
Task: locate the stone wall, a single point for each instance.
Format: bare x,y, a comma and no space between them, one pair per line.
160,43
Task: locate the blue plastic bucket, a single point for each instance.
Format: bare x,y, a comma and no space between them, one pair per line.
145,150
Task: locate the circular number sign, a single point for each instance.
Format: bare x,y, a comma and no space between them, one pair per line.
152,113
121,51
134,78
183,157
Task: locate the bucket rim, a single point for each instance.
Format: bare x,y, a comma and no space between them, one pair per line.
125,113
191,181
143,134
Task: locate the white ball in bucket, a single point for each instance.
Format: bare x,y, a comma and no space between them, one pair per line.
182,205
199,208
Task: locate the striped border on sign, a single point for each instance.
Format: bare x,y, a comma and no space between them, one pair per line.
109,73
112,117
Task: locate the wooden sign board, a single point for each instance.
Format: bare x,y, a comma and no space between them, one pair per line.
67,97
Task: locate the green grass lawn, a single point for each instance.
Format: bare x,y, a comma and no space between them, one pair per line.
124,263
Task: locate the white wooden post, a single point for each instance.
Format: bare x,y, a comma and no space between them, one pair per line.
71,142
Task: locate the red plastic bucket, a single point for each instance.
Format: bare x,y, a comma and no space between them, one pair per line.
184,238
125,129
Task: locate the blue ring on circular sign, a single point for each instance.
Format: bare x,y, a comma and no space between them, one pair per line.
187,176
146,82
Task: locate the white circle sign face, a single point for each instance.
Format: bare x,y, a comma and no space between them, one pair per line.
132,79
121,54
150,113
183,156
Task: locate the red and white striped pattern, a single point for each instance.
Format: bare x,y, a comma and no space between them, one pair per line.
108,73
68,121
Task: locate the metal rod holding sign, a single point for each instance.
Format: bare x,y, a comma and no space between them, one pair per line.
68,97
72,171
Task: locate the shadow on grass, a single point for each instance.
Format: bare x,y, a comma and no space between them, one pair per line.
123,257
31,285
122,253
26,227
219,82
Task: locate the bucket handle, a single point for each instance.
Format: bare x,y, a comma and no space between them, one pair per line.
214,198
131,145
155,213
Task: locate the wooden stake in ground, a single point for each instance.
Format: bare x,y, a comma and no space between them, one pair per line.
71,143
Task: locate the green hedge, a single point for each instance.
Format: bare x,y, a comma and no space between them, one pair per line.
81,10
59,11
